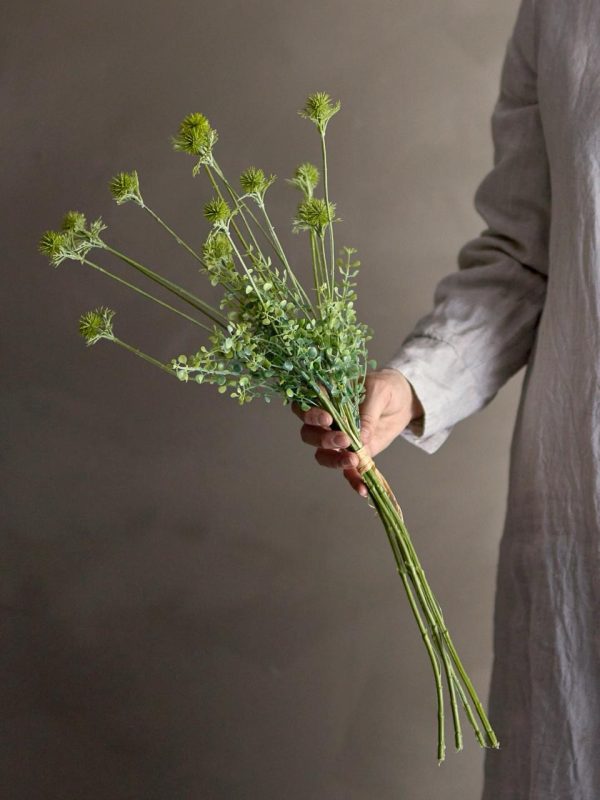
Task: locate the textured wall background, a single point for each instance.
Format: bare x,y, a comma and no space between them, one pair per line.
192,608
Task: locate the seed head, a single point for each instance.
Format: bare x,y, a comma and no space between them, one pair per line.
195,136
319,108
126,186
53,244
217,211
97,324
74,221
313,214
254,181
306,178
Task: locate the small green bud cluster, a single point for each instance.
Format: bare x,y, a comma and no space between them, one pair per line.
196,137
73,241
314,214
217,212
255,183
306,178
125,186
319,108
97,324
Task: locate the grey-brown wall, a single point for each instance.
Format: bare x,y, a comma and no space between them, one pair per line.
192,608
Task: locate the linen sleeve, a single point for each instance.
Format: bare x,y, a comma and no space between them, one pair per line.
482,326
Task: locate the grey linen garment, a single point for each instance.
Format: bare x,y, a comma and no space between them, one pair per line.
527,292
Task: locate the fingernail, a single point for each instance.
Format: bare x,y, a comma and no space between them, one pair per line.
341,440
349,461
362,490
324,420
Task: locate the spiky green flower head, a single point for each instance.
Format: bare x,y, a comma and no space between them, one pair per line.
253,181
125,186
314,214
196,137
217,211
306,178
54,245
319,108
74,240
74,221
97,324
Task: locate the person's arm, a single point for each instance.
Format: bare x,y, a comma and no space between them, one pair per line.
485,315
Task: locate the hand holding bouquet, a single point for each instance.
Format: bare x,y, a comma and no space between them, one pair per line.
273,337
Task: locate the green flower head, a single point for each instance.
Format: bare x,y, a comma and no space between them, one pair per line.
313,214
254,181
126,186
319,108
195,136
217,211
306,178
73,241
54,245
97,324
74,221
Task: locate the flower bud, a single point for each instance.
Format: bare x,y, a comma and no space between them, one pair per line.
217,211
97,324
319,109
195,136
126,186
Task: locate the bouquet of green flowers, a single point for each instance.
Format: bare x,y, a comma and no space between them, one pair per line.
272,337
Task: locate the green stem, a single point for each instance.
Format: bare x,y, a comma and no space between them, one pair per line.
245,244
376,493
324,259
326,191
405,554
284,260
145,294
437,623
183,294
246,270
270,234
176,236
143,355
239,205
316,271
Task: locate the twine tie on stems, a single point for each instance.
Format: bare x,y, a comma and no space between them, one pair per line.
365,463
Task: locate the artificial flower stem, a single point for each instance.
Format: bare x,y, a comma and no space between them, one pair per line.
283,258
437,620
245,244
146,294
375,491
183,294
175,235
142,355
408,556
326,192
236,200
316,275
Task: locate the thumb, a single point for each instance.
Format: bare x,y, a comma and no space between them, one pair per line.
371,409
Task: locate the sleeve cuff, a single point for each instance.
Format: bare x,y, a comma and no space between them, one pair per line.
435,372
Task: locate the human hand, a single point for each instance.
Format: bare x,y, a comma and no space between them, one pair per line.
388,406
